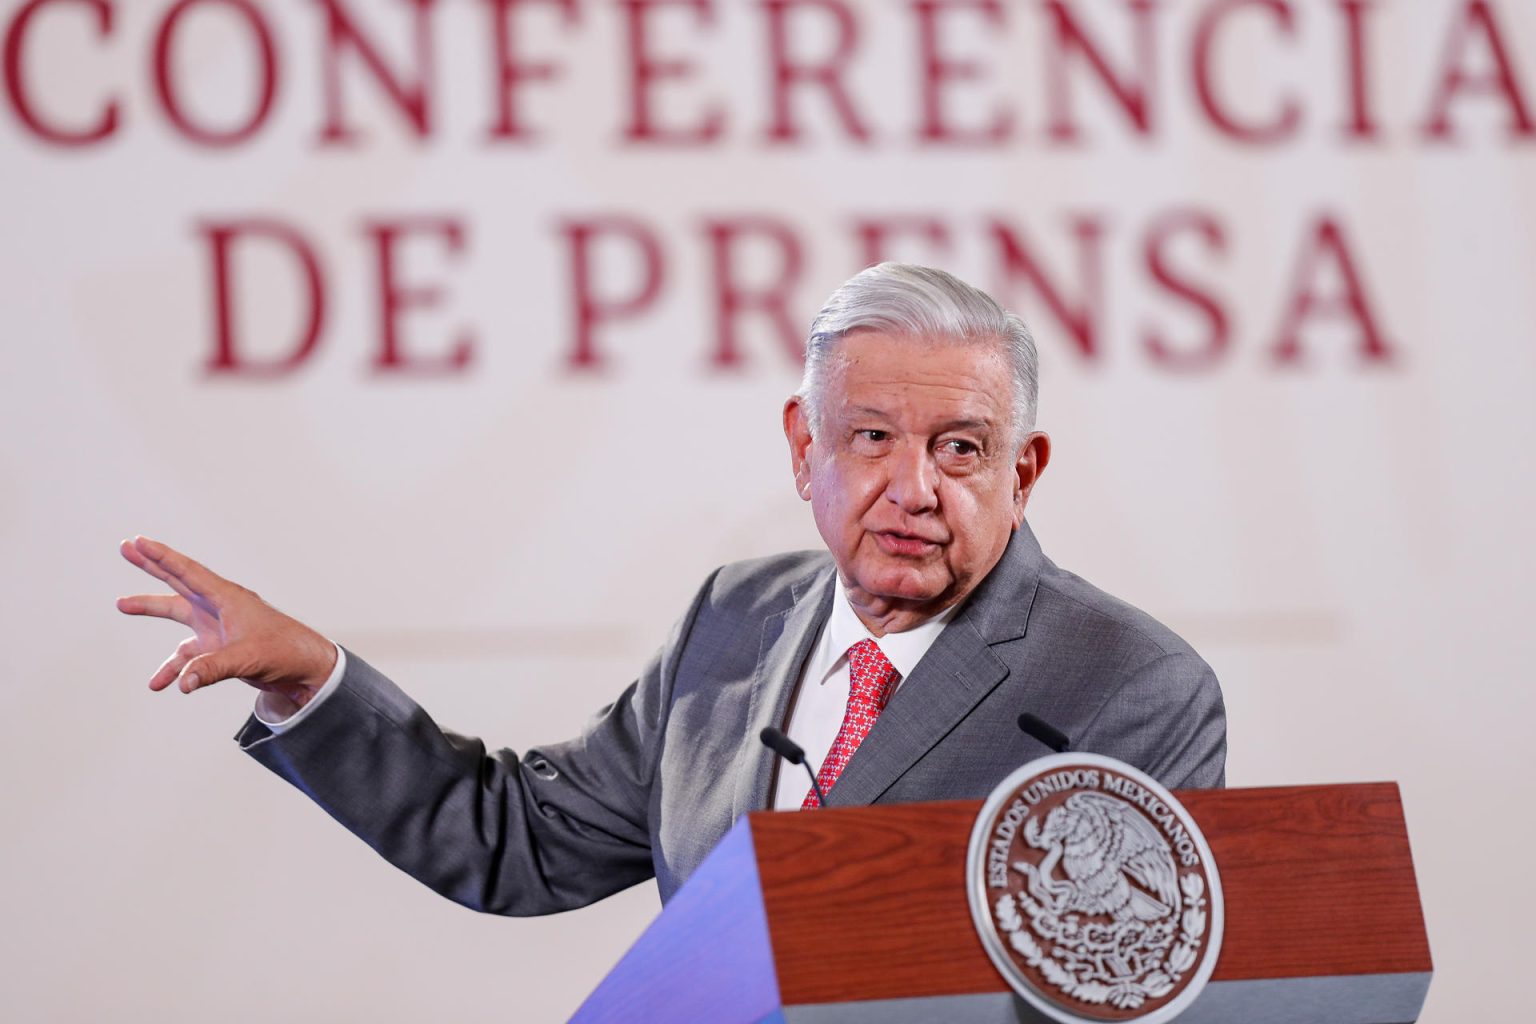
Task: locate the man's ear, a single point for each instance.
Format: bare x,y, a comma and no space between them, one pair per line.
1033,457
797,431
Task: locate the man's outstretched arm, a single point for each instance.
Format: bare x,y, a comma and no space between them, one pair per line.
559,828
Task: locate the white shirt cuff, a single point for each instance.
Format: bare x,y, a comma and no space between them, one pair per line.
274,720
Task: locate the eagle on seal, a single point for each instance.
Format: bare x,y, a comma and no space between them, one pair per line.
1101,844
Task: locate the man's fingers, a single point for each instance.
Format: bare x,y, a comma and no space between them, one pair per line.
166,674
195,575
130,550
161,606
215,667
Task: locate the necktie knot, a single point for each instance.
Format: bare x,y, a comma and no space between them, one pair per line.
871,681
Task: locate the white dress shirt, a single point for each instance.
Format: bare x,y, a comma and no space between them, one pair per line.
821,699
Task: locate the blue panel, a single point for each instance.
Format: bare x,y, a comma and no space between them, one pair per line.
706,958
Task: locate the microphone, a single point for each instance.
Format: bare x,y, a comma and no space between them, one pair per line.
790,751
1045,732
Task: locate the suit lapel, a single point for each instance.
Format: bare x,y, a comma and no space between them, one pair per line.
787,638
951,679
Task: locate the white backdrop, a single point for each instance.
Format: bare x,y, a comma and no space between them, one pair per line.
1337,521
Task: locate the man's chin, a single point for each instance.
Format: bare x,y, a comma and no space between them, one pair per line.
907,586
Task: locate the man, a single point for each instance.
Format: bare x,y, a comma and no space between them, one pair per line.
905,651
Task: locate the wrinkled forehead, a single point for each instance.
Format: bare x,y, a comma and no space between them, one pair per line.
943,378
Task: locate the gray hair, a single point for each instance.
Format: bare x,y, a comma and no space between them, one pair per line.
920,302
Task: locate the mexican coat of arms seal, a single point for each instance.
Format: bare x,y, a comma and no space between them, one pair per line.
1094,892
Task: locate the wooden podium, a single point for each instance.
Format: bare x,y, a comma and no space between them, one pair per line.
861,915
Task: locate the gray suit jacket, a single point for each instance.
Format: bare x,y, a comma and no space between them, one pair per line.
660,775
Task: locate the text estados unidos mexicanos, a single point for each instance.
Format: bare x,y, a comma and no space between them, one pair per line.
1080,778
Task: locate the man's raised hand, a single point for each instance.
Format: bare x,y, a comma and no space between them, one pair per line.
235,634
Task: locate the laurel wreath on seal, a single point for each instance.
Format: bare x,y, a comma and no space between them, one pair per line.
1126,992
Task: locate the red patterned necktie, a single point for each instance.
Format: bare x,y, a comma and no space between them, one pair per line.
871,680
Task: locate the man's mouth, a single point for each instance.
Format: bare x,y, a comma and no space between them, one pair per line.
894,542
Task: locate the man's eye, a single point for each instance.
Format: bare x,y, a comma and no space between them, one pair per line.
956,446
874,435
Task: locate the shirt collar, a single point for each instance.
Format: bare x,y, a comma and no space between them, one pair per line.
903,650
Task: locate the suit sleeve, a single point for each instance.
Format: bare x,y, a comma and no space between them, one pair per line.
1168,719
558,828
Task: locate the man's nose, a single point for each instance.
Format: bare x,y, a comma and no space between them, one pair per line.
914,480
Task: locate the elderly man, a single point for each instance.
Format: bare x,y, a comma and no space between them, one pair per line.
905,651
